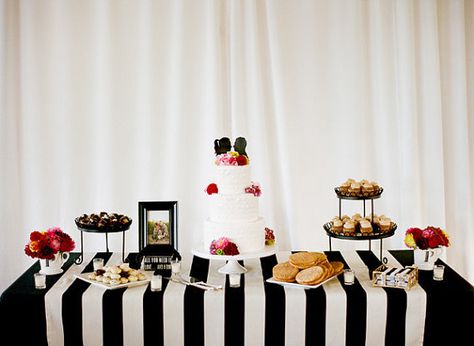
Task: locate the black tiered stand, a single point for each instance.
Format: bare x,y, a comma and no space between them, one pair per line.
378,235
105,231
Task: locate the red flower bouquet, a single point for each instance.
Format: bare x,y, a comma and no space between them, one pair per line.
45,245
223,246
428,238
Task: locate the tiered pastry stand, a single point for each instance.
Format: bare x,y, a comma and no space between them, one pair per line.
358,236
233,266
105,231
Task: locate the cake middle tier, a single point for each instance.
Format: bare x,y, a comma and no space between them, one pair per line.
248,236
232,179
233,208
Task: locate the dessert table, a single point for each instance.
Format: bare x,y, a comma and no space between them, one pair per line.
73,312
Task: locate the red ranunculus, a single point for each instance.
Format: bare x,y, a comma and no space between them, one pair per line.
242,160
212,188
36,236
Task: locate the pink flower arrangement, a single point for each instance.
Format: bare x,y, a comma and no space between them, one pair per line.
428,238
46,244
254,189
223,246
269,236
231,158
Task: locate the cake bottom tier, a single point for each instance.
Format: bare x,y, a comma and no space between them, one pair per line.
249,236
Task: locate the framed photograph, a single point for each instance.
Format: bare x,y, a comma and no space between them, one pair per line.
158,225
158,234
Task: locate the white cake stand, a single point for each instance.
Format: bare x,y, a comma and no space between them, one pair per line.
232,266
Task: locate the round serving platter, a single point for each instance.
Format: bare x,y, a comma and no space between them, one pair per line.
342,195
106,229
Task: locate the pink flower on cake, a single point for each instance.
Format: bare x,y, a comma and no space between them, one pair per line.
211,188
223,246
226,160
254,189
232,158
269,236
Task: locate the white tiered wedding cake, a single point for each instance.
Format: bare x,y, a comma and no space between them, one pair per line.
233,198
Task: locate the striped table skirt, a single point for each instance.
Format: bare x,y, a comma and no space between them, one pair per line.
74,312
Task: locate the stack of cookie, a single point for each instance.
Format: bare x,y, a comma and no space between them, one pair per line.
307,268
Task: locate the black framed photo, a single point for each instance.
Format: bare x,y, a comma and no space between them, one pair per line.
158,224
158,234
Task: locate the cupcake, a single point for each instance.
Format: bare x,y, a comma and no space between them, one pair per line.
345,218
354,188
336,226
349,227
375,186
344,187
365,227
385,224
368,189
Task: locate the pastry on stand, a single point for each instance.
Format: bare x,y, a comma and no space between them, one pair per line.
360,227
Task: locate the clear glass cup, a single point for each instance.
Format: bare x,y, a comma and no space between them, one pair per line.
438,272
40,281
156,282
98,263
175,267
234,280
349,277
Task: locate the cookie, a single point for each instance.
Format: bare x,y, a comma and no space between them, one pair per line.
303,260
337,266
284,272
310,275
319,257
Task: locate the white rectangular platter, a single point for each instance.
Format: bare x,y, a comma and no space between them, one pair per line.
293,284
83,276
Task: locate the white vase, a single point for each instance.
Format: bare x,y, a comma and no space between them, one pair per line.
425,259
53,267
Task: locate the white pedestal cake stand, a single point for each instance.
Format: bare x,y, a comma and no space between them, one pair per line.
232,266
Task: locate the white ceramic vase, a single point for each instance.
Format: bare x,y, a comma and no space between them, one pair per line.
53,267
425,259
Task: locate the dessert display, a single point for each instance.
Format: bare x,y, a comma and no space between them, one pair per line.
363,188
234,213
358,225
103,221
117,275
307,268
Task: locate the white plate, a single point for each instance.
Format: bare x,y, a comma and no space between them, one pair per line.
84,277
306,287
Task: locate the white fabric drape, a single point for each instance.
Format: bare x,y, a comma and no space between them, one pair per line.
107,103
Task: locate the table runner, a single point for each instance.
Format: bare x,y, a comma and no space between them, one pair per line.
257,313
214,310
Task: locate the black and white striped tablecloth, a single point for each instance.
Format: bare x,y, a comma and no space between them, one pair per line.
74,312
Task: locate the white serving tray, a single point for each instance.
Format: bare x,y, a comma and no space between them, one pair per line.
83,276
306,287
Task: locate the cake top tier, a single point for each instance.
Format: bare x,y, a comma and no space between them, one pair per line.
226,157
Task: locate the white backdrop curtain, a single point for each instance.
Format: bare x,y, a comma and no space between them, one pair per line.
107,103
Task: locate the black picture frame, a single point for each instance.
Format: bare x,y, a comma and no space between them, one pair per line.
149,241
157,253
